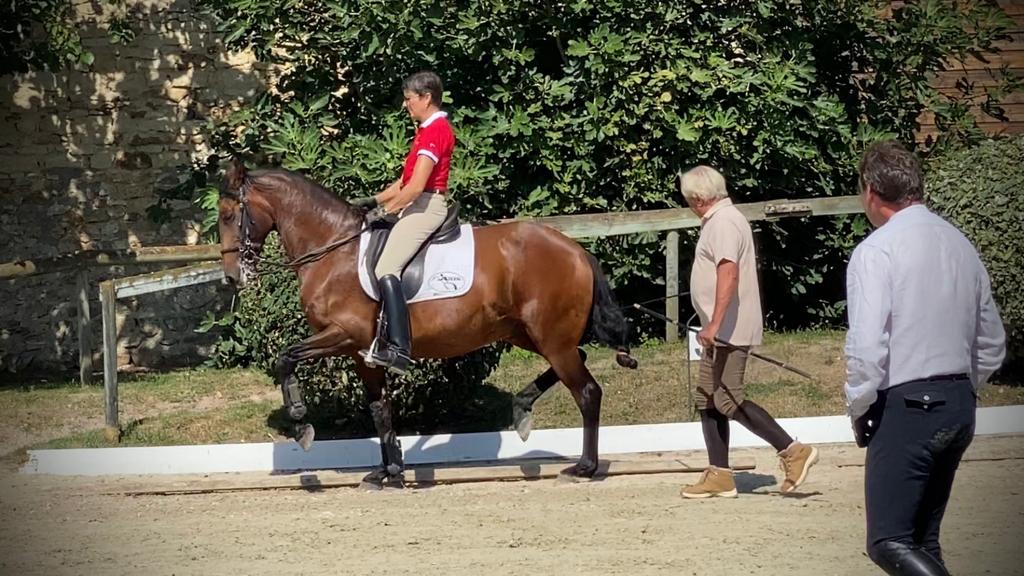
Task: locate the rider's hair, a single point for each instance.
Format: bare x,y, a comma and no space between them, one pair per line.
425,82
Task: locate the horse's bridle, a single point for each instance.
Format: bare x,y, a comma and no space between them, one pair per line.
248,249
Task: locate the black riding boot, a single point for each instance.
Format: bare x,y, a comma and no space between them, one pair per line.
898,559
394,352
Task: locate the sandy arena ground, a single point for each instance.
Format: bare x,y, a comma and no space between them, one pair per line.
621,525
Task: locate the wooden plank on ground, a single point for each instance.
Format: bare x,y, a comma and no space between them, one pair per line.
420,475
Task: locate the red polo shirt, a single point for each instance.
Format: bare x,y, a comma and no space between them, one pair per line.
435,140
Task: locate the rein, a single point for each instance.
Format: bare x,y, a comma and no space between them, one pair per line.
319,253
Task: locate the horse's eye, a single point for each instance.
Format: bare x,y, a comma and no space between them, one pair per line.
227,217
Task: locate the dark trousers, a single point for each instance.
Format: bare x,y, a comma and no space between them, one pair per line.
924,428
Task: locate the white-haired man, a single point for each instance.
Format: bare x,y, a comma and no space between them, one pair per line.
725,294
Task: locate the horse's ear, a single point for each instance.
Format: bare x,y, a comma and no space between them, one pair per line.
235,176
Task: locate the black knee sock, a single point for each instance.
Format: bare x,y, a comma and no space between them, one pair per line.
716,436
760,422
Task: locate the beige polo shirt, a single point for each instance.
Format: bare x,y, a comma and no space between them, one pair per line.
725,235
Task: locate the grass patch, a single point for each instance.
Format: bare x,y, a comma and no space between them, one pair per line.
242,422
220,406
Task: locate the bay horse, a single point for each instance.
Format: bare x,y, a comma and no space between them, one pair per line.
533,287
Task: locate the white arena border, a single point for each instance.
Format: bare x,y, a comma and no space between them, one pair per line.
443,448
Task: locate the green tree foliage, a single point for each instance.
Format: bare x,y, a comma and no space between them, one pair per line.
45,34
593,105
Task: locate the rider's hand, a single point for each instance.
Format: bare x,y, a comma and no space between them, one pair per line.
368,202
379,214
374,215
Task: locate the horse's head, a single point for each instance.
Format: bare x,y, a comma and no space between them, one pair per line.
244,220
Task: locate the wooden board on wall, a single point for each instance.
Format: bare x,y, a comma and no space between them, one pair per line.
986,73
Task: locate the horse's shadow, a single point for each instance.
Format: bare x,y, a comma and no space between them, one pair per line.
750,482
444,434
485,408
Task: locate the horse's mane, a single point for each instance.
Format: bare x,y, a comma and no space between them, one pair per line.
299,192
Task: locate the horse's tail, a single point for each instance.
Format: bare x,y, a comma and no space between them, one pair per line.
607,324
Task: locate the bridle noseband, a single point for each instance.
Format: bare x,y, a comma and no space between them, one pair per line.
248,249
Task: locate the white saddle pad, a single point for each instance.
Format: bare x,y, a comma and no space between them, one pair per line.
447,268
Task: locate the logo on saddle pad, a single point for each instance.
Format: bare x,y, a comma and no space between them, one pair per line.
446,282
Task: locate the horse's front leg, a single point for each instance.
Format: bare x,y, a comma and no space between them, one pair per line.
329,342
392,462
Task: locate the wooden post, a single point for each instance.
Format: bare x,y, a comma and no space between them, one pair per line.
672,284
84,332
108,303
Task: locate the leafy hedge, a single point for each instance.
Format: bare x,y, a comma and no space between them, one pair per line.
981,190
592,105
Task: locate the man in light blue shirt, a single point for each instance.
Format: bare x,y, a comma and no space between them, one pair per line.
924,335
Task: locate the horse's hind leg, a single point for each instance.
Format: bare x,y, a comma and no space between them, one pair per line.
585,390
392,462
522,403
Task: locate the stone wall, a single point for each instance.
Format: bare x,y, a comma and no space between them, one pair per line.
85,153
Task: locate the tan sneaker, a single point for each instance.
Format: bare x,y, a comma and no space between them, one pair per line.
796,461
714,481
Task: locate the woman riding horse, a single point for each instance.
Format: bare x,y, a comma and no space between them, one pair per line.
418,198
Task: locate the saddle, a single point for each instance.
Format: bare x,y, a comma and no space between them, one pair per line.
412,274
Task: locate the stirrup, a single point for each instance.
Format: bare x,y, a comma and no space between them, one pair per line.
386,356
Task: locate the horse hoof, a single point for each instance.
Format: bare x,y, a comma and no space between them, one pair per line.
374,480
524,424
624,359
576,473
370,486
396,481
305,437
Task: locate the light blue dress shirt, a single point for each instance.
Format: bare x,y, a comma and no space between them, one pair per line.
920,305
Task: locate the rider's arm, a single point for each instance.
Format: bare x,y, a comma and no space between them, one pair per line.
413,188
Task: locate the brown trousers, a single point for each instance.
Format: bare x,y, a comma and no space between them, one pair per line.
720,384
